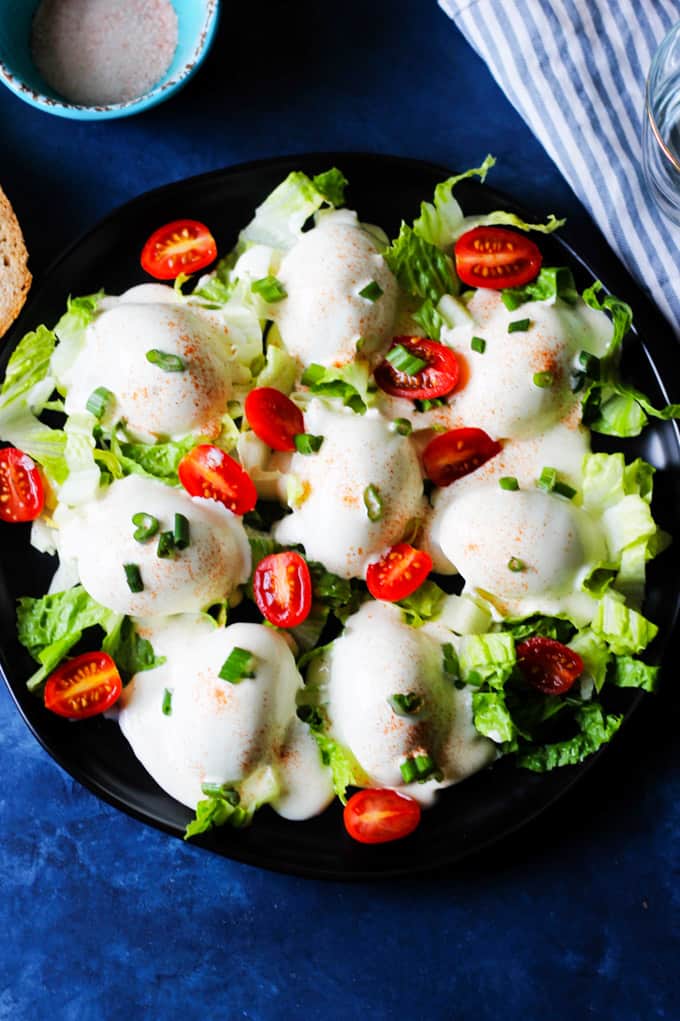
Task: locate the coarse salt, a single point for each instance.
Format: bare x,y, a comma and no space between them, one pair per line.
95,52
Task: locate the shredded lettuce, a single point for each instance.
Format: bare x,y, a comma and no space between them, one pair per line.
501,218
552,282
633,673
422,605
440,221
279,370
489,657
621,314
279,220
491,716
596,657
71,331
237,807
157,461
595,729
624,629
49,627
349,382
421,268
28,378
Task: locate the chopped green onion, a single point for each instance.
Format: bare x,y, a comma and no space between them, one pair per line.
562,489
305,443
508,482
516,565
420,768
373,503
408,770
147,526
475,679
405,704
401,359
450,658
166,362
478,344
371,292
221,790
519,326
98,401
310,715
402,426
590,364
238,665
134,578
429,403
544,379
180,535
547,479
360,344
167,702
166,548
269,288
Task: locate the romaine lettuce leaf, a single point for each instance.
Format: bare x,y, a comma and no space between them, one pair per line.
624,629
490,658
349,382
491,716
28,378
439,222
552,282
71,331
279,220
422,605
237,803
595,729
633,673
421,268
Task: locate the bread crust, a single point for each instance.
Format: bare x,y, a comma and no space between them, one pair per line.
15,278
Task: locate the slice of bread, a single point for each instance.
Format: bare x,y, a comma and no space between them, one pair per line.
15,278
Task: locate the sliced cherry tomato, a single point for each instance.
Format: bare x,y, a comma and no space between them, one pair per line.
21,490
273,417
83,686
495,257
438,378
548,665
400,572
183,246
282,586
457,452
207,471
377,816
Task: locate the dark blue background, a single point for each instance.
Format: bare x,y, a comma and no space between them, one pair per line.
576,916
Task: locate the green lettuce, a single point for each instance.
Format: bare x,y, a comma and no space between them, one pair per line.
279,220
552,282
235,804
491,716
594,730
440,221
422,605
71,330
421,268
633,673
157,461
349,383
624,629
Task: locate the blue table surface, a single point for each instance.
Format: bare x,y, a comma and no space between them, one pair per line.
574,917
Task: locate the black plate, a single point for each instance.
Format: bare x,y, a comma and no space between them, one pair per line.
487,806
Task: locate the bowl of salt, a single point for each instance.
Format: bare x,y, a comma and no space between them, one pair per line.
97,59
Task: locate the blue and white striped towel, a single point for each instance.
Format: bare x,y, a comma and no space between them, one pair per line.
575,70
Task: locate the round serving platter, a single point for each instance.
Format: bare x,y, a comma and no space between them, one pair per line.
384,190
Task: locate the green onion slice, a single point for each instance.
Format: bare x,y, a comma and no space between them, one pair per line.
167,702
180,534
519,326
373,503
147,526
401,359
98,401
372,291
269,288
508,482
516,565
238,665
405,704
166,548
408,770
562,489
544,380
478,344
590,364
166,362
402,426
305,443
547,479
450,660
134,578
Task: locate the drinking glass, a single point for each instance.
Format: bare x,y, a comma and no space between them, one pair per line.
661,126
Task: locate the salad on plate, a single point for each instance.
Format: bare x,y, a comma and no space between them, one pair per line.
326,518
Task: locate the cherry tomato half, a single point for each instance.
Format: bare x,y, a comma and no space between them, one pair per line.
83,686
438,378
183,246
377,816
21,490
548,665
400,572
207,471
457,452
495,257
273,417
282,586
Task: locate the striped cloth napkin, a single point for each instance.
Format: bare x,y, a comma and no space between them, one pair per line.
576,70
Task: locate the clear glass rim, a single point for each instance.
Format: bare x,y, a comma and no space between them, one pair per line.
670,156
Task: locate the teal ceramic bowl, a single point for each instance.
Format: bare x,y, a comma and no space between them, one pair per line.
197,21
